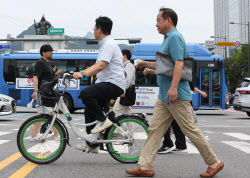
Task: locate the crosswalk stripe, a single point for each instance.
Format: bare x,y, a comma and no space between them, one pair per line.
15,115
4,133
27,168
9,160
243,146
4,141
240,136
191,148
208,132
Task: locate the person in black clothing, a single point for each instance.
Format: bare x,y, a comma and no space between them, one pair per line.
43,71
180,142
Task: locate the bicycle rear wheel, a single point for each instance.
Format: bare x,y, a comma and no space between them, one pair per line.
37,150
137,129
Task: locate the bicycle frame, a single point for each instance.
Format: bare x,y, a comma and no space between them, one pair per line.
92,138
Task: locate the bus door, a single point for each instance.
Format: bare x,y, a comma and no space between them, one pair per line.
210,82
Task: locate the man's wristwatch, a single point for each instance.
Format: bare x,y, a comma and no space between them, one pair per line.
83,74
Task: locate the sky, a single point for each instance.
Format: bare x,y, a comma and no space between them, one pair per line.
131,18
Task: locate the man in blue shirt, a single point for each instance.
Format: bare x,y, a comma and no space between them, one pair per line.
179,94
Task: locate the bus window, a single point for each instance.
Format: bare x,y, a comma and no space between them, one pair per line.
65,65
9,71
145,80
84,64
25,68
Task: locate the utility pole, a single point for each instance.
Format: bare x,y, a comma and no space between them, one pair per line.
248,49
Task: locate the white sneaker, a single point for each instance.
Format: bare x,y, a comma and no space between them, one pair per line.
100,126
57,139
84,147
33,139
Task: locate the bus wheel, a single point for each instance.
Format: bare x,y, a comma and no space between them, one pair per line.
69,102
248,113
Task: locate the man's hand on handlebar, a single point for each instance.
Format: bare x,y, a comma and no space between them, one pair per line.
59,72
77,75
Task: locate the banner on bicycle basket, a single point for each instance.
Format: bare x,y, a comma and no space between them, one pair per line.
27,83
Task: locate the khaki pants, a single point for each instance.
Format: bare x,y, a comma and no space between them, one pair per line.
162,117
120,109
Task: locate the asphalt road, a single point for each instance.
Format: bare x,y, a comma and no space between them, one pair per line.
228,132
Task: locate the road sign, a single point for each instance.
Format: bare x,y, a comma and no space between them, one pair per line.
55,30
5,46
237,44
225,43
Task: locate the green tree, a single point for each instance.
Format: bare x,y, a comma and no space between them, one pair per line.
236,67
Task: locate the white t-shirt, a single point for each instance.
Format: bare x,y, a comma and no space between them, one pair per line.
110,52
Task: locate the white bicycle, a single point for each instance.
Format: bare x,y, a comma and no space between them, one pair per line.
123,140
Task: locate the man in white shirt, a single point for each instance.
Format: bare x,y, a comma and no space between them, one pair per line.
129,68
110,81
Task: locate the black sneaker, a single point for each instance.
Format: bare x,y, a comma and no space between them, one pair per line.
164,149
177,150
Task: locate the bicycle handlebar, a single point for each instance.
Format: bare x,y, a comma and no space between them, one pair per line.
67,76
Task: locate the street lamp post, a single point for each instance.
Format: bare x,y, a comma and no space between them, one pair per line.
225,38
247,24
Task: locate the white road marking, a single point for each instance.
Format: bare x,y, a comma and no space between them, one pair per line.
240,136
243,146
208,132
4,133
4,141
10,125
191,148
224,126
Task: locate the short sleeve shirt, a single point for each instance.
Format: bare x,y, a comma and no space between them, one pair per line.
44,71
174,44
110,52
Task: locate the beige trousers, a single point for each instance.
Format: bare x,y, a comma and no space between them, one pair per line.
162,117
120,109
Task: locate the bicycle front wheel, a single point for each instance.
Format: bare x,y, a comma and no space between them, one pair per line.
36,150
137,129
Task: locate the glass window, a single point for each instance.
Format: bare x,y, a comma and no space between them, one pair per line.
25,68
9,71
65,65
244,84
145,80
84,64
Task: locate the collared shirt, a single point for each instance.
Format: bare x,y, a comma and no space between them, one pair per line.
110,52
174,44
129,73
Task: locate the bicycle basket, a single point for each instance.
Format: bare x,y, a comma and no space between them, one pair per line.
48,101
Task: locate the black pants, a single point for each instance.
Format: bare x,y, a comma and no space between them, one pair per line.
95,98
180,142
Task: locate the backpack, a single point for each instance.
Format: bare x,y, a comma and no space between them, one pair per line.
47,87
130,97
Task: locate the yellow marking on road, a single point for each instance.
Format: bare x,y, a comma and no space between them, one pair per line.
9,160
27,168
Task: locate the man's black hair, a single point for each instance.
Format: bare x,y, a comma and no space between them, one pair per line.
127,53
167,12
45,48
105,24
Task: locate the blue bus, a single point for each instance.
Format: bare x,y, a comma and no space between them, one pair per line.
17,73
210,77
16,76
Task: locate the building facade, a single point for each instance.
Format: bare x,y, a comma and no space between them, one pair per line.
226,11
